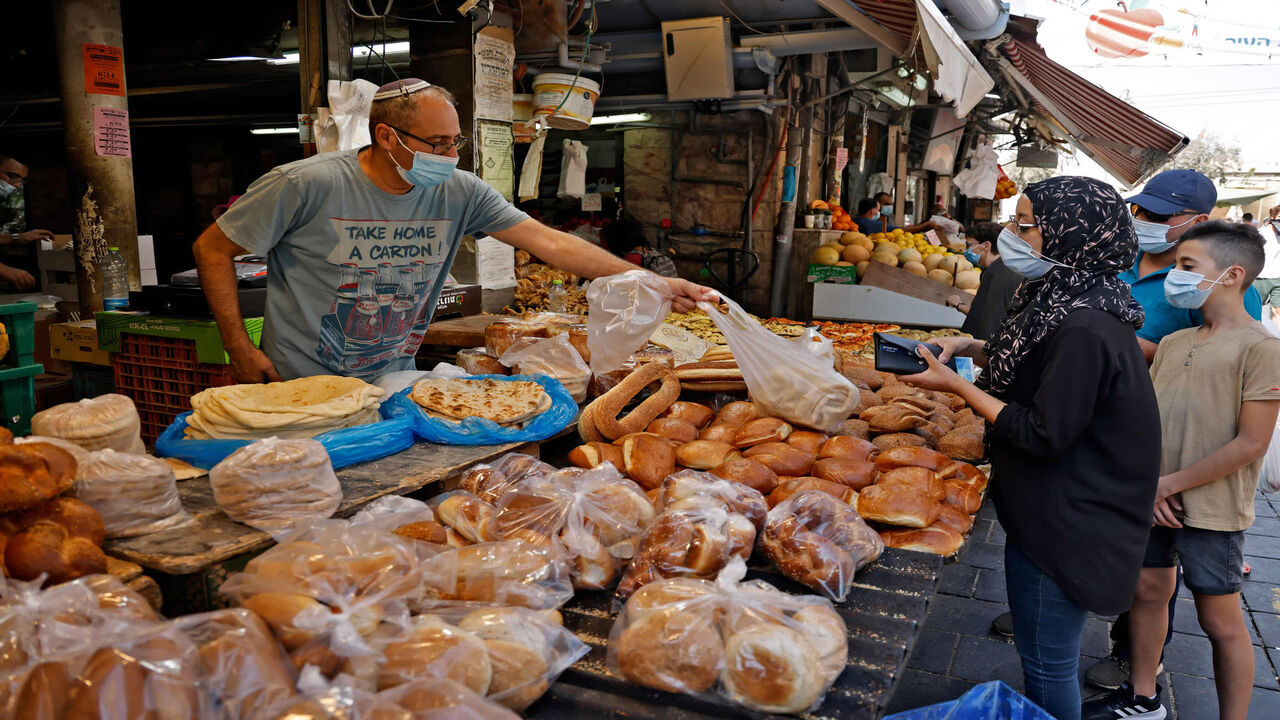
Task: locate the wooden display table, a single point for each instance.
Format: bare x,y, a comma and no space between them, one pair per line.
463,332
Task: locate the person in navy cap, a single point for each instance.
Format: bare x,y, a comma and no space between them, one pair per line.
1170,204
360,243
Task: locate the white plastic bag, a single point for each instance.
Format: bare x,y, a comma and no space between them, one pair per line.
625,309
786,381
979,179
554,357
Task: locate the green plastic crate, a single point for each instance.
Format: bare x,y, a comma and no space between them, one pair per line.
111,325
20,323
18,396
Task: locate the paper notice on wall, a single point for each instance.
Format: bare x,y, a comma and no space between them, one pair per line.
496,164
111,132
103,70
495,263
842,158
495,57
591,202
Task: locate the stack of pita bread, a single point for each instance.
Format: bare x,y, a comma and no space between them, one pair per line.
300,408
505,402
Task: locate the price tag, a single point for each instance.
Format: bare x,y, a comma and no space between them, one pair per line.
932,237
842,159
591,203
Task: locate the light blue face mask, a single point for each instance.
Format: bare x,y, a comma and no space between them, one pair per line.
6,189
428,170
1182,288
1152,236
1021,258
886,210
972,256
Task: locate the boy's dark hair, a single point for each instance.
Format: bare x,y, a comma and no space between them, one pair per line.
1231,244
1247,217
620,236
987,232
882,195
865,205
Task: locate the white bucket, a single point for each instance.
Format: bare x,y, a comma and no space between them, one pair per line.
550,88
522,111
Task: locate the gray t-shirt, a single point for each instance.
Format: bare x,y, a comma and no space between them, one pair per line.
354,272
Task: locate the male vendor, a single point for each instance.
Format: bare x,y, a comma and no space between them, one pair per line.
360,242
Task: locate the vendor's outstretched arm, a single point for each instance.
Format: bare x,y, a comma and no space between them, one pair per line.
586,260
215,254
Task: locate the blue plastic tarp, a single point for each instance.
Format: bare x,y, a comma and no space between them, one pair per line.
478,431
345,447
988,701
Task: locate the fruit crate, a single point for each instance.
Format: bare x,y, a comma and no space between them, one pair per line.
20,325
90,381
161,374
18,396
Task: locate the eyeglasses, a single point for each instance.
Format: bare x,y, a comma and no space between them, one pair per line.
13,178
437,148
1158,217
1019,227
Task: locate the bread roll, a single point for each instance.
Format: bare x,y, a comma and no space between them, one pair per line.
936,539
854,428
32,473
468,515
437,649
856,474
807,440
674,429
737,414
915,457
955,518
782,458
828,634
898,505
963,444
966,473
918,478
476,361
760,431
893,441
704,454
648,460
594,454
501,335
696,414
963,496
736,498
426,531
291,617
718,432
111,685
519,674
749,473
773,669
673,649
791,487
44,693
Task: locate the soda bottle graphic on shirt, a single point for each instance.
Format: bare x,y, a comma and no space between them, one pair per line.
400,317
348,291
422,288
364,324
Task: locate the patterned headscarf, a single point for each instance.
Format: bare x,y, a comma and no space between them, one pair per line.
1086,225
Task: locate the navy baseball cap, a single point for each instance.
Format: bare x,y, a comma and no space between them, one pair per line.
1175,191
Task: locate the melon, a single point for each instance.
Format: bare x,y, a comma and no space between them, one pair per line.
967,280
862,267
889,247
825,256
910,255
885,257
931,261
851,237
941,276
865,242
949,263
963,265
915,268
855,253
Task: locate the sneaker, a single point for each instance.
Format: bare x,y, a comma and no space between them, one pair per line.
1003,625
1246,570
1111,672
1123,704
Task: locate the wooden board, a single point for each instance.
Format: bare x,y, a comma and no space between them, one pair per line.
463,332
900,281
212,537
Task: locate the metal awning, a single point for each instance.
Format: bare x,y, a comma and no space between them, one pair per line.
1125,141
908,27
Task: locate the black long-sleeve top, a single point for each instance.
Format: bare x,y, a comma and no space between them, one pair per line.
1076,459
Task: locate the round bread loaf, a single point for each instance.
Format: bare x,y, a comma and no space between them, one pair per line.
272,482
772,668
674,649
134,494
106,422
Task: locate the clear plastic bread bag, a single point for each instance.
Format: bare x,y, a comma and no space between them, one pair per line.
691,489
748,643
342,698
510,655
554,357
786,380
272,483
696,543
329,588
489,482
624,311
502,573
106,422
134,494
244,667
819,541
466,518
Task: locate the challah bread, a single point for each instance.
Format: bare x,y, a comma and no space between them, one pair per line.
937,539
856,474
898,505
47,547
33,473
918,478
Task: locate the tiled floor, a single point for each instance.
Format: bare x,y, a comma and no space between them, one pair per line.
956,649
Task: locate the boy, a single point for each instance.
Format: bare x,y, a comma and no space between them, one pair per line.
1219,390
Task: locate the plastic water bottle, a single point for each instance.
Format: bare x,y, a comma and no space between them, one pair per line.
115,280
557,301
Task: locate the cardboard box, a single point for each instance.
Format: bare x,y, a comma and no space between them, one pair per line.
204,332
77,342
833,274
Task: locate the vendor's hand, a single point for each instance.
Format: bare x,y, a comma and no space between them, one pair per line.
31,236
1164,512
251,365
19,279
686,295
938,376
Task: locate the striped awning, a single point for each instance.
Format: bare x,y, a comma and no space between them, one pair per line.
1125,141
897,16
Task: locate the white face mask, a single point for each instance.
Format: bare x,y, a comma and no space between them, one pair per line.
6,189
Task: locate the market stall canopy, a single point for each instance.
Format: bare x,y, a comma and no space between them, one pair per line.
895,24
1243,195
1125,141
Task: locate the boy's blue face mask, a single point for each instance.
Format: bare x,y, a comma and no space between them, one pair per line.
972,256
1182,288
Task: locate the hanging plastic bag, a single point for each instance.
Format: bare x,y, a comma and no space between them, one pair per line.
625,310
817,344
785,381
479,431
347,446
554,357
980,178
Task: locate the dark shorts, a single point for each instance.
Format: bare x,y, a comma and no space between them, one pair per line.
1211,560
1269,289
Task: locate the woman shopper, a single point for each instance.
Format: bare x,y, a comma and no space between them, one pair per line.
1073,426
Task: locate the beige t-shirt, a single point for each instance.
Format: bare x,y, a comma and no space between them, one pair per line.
1200,387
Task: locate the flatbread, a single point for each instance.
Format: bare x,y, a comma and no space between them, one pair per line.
318,395
505,402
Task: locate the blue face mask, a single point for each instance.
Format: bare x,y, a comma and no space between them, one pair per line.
1182,288
428,170
972,257
1021,258
1152,236
886,210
